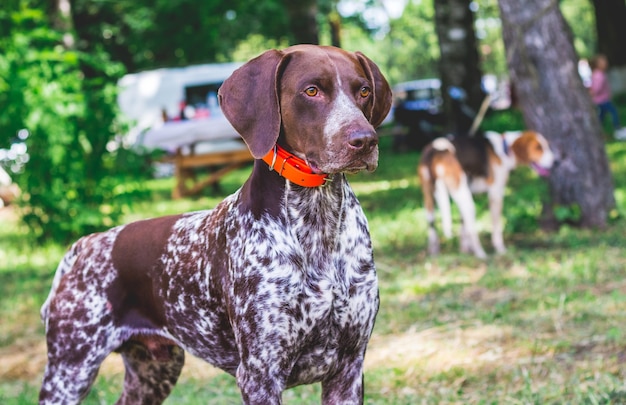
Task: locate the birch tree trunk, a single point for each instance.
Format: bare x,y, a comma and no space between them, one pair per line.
543,68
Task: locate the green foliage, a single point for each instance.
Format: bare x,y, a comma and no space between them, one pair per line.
71,119
410,49
581,19
252,46
567,213
489,34
503,120
145,34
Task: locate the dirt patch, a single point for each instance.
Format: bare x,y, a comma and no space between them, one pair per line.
22,361
439,349
194,367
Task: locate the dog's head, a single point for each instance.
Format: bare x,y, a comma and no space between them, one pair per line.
532,148
320,103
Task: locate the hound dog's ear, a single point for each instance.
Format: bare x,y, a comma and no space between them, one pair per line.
382,91
249,100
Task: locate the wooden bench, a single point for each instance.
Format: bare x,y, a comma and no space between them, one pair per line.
186,163
209,143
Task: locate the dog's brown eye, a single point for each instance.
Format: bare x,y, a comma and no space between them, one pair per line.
311,91
365,91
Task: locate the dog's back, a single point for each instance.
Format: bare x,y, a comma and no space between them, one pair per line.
473,154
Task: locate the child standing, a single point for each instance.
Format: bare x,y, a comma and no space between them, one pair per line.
600,91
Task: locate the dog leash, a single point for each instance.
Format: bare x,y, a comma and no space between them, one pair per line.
505,145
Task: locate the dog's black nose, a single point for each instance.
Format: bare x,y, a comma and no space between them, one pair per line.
364,140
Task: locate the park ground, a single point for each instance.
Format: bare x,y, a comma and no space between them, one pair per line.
544,323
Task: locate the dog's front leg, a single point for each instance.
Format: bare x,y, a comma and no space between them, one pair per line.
256,386
346,386
265,333
266,357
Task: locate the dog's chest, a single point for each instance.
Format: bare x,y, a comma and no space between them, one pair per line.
303,281
324,281
313,264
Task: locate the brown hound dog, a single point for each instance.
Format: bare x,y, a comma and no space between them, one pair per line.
276,285
464,165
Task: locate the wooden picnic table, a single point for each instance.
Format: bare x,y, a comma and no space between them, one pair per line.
210,143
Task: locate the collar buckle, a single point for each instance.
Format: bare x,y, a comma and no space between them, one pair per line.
275,155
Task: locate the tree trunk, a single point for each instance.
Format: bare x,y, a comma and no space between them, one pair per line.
334,21
611,30
459,62
303,20
543,68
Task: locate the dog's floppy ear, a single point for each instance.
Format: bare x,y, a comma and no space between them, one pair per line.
382,91
249,100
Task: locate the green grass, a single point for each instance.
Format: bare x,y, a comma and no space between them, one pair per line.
543,324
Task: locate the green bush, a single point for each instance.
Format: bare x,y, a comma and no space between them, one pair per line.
67,102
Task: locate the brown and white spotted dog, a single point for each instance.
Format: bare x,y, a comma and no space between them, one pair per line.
458,167
276,285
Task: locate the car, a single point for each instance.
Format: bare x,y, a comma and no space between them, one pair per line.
418,113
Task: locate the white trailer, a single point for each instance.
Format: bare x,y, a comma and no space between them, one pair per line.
145,96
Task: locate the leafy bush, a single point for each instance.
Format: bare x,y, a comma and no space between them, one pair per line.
71,118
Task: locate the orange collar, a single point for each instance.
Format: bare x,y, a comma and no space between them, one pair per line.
293,168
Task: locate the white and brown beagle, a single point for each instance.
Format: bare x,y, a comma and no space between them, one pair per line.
459,167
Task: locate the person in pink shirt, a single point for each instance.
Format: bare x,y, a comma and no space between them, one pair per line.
600,91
